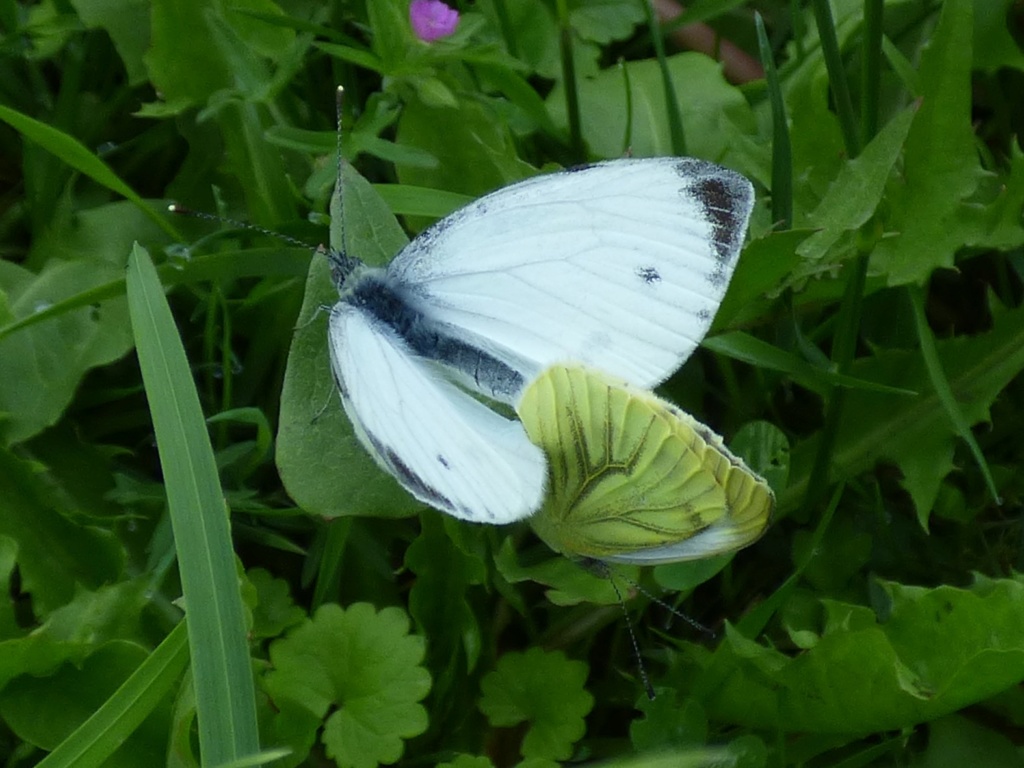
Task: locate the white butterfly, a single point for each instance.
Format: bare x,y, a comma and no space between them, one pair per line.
619,266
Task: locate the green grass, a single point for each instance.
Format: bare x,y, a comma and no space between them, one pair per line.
866,358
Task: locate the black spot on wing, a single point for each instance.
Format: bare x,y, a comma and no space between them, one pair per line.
725,198
442,461
649,275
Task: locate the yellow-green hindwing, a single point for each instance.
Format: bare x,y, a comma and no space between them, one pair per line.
633,478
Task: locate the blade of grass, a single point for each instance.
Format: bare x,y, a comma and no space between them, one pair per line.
254,262
222,673
871,53
836,75
750,349
848,327
782,152
572,97
71,151
675,121
98,738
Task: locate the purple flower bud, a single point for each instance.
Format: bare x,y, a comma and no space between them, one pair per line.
432,19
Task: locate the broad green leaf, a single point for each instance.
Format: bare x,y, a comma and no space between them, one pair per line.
602,21
994,46
57,556
477,147
41,367
322,463
47,711
717,120
184,81
936,651
127,23
140,697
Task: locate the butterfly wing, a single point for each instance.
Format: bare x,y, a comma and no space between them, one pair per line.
444,447
619,265
633,478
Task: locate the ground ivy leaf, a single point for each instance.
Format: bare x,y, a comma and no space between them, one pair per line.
275,611
360,670
545,689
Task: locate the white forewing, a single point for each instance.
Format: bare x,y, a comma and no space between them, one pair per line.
620,265
444,447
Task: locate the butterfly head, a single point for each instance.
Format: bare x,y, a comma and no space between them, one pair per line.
343,267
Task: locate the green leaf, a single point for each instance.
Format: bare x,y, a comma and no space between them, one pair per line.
544,689
183,81
915,433
123,730
570,582
362,667
602,21
41,367
857,190
74,631
127,23
717,120
438,598
668,723
994,46
940,168
56,556
937,650
956,741
477,147
275,611
323,465
71,151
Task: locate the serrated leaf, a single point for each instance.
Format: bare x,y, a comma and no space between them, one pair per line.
363,667
938,650
915,433
941,167
545,689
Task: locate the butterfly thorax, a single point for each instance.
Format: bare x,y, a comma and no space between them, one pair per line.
392,306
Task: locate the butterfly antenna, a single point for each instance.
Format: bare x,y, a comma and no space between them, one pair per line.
671,609
632,639
339,186
181,210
